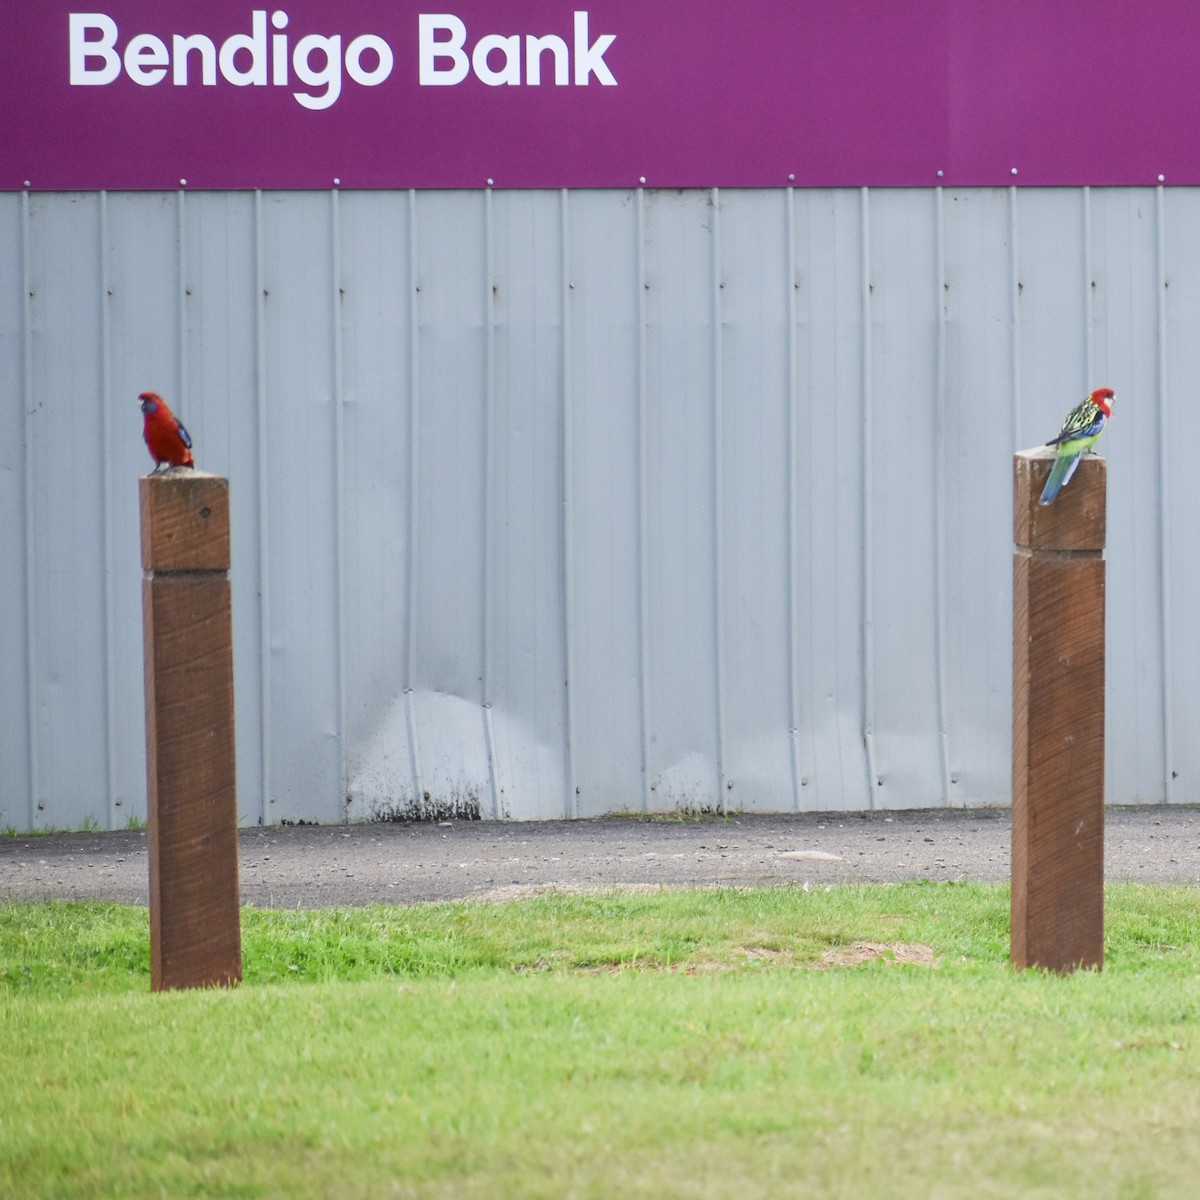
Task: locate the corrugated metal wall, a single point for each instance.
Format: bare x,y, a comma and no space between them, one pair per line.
559,503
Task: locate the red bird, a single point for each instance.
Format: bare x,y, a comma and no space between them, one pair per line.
169,443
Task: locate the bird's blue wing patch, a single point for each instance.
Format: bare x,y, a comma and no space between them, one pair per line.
184,436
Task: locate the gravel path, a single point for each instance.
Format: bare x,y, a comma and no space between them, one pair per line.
316,866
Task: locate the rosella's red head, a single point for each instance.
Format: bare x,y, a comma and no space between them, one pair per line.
1103,399
150,401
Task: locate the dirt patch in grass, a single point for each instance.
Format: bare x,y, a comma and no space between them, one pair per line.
854,955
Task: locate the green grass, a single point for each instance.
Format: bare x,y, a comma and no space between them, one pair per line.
672,1044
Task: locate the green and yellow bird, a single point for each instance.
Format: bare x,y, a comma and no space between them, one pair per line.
1084,424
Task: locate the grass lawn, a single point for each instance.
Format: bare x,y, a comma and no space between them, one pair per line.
857,1042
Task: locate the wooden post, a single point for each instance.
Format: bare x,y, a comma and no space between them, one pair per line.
1058,717
195,936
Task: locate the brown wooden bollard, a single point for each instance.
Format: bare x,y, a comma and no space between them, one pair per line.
195,936
1058,717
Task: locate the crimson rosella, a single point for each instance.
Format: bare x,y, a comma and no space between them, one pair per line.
1084,424
169,443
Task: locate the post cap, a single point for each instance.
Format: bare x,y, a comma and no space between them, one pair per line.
185,521
1077,518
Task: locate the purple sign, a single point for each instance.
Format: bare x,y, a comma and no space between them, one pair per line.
541,93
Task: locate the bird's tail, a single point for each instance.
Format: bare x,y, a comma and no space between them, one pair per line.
1059,477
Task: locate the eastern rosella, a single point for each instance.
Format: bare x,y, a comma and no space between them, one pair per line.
169,443
1078,434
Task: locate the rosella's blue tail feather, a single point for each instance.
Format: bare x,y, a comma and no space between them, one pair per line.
1060,476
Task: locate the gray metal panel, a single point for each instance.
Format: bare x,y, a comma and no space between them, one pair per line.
301,310
603,409
560,503
901,558
526,667
976,399
71,657
1177,483
1124,287
827,478
377,305
454,401
18,744
681,501
753,303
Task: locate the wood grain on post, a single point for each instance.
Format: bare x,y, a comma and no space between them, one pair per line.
195,935
1058,717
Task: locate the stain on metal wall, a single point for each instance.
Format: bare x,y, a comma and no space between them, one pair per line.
552,504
